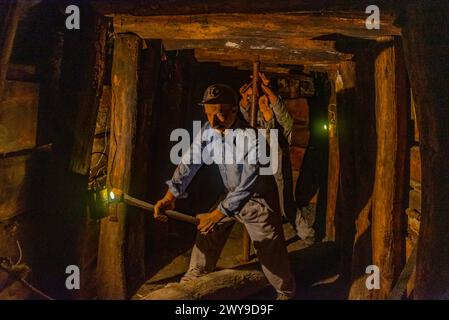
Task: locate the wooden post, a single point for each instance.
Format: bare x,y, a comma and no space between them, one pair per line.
357,149
356,141
49,70
111,257
246,240
8,29
345,207
135,242
426,47
81,87
89,96
334,165
61,195
255,95
388,215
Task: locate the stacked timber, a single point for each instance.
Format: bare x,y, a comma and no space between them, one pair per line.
414,206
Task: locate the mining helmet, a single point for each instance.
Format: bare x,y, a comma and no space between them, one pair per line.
219,94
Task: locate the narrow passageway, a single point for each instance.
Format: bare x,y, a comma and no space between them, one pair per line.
111,126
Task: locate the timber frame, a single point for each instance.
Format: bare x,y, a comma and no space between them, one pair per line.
311,34
371,72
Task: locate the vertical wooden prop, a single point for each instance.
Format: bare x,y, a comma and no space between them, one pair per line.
334,165
111,257
246,241
8,29
135,236
88,94
388,229
255,96
426,47
345,208
71,98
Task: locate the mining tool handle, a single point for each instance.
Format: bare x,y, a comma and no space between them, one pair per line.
150,207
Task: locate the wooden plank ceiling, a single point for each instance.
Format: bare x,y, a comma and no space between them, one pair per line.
234,32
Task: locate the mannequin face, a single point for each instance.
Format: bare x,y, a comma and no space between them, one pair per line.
220,116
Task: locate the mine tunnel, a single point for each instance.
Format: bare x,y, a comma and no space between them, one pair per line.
88,111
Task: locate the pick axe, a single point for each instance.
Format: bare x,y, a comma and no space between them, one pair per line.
116,195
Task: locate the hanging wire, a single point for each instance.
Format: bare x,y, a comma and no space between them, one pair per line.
12,270
35,290
105,139
20,253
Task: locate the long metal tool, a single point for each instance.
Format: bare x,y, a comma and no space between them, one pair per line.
150,207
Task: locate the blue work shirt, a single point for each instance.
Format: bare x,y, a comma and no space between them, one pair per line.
240,180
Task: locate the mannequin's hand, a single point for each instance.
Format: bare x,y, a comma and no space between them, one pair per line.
265,108
246,92
263,78
209,220
166,203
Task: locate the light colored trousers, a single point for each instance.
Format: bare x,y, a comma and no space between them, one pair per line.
265,230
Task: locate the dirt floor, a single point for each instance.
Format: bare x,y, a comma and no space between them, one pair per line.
311,285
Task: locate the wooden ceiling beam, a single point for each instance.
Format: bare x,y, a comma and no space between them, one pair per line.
186,7
298,49
254,43
267,56
280,70
236,25
272,69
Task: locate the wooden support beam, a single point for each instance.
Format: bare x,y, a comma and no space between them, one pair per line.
147,90
271,70
71,130
11,11
111,257
254,110
426,46
321,67
37,149
282,70
258,42
273,57
26,73
360,122
345,86
192,7
48,71
8,28
400,288
334,165
356,143
82,87
388,211
248,25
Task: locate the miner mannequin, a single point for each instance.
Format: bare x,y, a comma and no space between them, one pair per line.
273,114
251,199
